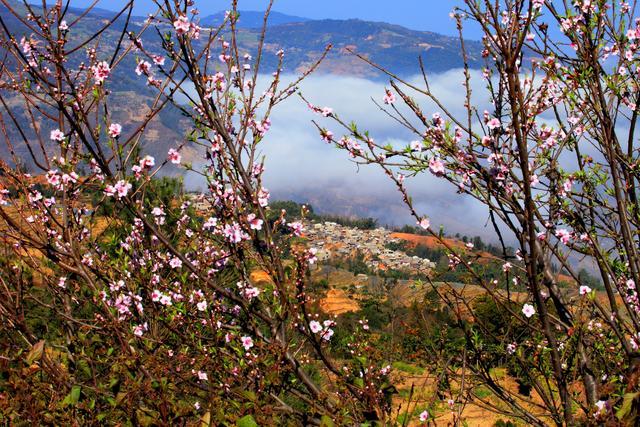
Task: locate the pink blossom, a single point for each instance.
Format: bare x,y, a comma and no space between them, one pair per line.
139,330
115,129
69,178
528,310
263,197
311,253
143,67
494,123
254,223
584,290
511,348
120,190
174,157
436,166
53,178
315,326
202,305
326,135
202,376
101,71
147,162
4,196
182,25
234,233
210,223
175,263
247,343
437,120
424,223
564,236
389,97
297,228
158,60
602,406
424,416
25,44
165,300
329,323
35,197
251,293
327,334
57,135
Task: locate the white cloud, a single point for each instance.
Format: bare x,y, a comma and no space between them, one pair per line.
301,166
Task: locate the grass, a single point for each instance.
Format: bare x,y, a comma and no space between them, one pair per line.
483,392
498,373
409,369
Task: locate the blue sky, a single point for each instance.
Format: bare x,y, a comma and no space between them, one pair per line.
430,15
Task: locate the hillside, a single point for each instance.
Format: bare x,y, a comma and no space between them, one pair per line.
303,41
252,19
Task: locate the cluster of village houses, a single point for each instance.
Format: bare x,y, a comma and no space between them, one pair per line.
336,241
333,240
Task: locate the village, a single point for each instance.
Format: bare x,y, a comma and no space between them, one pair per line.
333,240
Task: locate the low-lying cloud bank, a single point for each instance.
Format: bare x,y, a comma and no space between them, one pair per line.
300,166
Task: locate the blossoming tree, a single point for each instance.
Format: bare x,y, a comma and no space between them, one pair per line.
555,162
122,301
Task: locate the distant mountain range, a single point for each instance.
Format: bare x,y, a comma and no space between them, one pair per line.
303,40
252,19
392,46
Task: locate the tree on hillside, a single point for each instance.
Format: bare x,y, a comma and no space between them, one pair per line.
555,161
122,301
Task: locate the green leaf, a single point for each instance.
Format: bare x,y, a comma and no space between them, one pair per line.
325,421
35,353
249,395
147,417
247,421
627,403
83,366
73,397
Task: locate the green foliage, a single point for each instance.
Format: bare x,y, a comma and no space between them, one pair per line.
247,421
405,367
294,212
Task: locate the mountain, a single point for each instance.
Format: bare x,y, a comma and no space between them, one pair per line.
252,19
394,47
391,46
303,40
